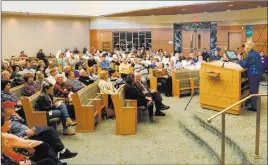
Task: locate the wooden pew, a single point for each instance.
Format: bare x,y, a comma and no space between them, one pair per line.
184,82
153,80
33,117
88,103
126,113
17,90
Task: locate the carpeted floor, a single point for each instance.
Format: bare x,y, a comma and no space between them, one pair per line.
163,142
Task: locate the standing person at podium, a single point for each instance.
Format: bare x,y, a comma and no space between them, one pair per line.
254,71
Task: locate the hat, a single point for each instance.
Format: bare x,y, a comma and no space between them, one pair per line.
7,104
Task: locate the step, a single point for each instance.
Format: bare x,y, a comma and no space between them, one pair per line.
209,141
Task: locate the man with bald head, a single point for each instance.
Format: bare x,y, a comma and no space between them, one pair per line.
254,71
155,95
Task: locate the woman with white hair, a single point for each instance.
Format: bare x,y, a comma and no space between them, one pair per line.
254,71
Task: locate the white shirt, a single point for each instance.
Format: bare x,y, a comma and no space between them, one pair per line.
51,79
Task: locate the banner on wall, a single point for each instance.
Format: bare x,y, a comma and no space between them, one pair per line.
249,32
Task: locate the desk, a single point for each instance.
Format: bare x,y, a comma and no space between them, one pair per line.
221,87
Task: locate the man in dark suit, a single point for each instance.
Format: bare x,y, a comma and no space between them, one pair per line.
157,98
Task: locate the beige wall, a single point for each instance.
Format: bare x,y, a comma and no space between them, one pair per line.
29,33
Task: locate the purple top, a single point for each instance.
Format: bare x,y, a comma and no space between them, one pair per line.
264,61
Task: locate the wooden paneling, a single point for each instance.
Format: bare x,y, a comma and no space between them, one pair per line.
160,37
259,36
234,41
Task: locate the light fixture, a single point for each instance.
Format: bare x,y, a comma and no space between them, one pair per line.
228,10
231,5
183,9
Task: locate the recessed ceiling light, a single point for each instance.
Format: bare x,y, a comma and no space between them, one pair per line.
228,10
231,5
258,6
183,9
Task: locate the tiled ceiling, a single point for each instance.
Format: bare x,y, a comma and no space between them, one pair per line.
198,8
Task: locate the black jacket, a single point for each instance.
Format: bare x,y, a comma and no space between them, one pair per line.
44,102
133,93
91,62
86,80
205,56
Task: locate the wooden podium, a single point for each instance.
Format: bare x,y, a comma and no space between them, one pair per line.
221,87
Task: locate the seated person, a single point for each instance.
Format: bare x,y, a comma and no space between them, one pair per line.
142,68
21,64
6,95
153,65
200,61
106,87
194,60
170,67
76,84
58,109
6,75
75,51
114,62
133,93
92,74
124,69
18,80
46,134
155,95
23,55
61,89
66,69
78,67
217,54
84,78
33,150
181,56
116,81
40,80
41,56
104,64
51,78
91,61
29,87
50,66
61,60
164,79
28,68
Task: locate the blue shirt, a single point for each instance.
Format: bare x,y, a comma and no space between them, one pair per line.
104,64
152,66
252,63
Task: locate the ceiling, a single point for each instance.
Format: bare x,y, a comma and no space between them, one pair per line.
196,8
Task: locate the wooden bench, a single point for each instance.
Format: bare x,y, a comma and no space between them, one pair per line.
17,90
35,118
88,103
126,113
153,80
184,82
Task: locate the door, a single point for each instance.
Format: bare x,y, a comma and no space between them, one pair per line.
188,42
234,41
194,41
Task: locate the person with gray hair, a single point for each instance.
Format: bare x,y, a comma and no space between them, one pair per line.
142,68
154,94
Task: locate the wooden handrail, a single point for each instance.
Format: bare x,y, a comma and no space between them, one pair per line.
233,105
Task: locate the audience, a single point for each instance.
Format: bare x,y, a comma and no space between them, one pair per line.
52,76
29,87
6,75
164,79
61,89
124,68
84,78
76,84
106,87
205,55
217,54
18,80
133,93
54,109
104,64
40,80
